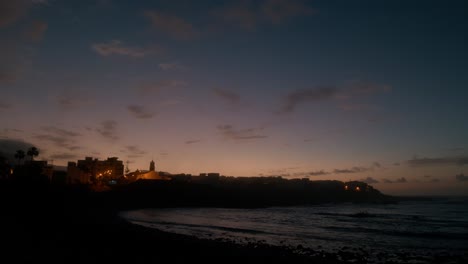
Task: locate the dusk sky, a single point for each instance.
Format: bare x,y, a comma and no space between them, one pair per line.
342,90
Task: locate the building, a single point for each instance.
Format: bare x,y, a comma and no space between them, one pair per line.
94,171
150,174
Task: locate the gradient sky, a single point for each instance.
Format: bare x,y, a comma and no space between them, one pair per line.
347,90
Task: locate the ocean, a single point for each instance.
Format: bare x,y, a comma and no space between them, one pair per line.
419,227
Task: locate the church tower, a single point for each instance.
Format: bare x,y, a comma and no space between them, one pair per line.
151,165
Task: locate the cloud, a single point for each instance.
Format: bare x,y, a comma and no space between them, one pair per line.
277,11
461,177
396,164
241,14
13,60
63,156
347,96
298,97
229,96
36,31
369,180
171,66
133,151
352,106
154,87
4,105
12,11
456,149
10,131
352,170
139,112
361,88
376,165
420,162
117,47
7,75
192,141
316,173
172,25
59,137
399,180
230,132
8,147
108,129
61,132
352,93
69,101
249,14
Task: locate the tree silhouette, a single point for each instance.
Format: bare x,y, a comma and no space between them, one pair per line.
20,155
33,152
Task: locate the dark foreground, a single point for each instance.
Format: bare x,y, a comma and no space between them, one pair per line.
56,225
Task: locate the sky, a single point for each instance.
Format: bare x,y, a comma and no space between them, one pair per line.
327,90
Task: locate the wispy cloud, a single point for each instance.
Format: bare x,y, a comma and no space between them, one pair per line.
59,137
193,141
229,96
12,11
14,60
277,11
70,100
172,25
63,156
417,162
461,177
347,96
249,15
61,132
36,31
158,86
352,170
108,129
295,98
140,112
171,66
117,47
358,88
456,149
7,75
310,173
242,14
229,132
399,180
369,180
4,105
318,173
8,147
133,151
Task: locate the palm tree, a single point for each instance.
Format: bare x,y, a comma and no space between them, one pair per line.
33,152
20,155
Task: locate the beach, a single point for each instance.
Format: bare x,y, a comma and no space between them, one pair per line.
76,226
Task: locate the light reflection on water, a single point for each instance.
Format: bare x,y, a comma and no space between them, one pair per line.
414,225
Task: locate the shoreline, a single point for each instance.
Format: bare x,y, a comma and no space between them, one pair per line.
63,226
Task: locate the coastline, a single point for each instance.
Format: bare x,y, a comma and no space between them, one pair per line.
77,226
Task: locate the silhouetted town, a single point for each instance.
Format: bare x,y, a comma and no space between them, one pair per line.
151,186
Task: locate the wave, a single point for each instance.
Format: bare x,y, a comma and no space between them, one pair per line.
442,235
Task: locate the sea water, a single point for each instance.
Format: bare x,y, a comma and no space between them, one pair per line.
417,226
